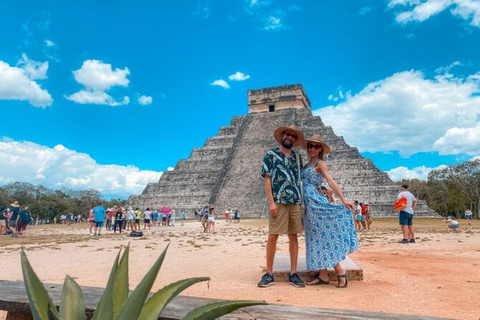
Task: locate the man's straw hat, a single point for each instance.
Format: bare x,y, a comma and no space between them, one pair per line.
278,134
318,139
15,204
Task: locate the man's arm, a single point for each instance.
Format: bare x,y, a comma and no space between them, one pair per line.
414,204
268,191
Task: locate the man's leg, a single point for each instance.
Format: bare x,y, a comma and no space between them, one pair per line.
271,249
293,247
411,232
405,232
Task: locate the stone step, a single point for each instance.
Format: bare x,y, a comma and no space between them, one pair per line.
281,269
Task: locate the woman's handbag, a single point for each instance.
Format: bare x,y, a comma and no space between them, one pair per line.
400,204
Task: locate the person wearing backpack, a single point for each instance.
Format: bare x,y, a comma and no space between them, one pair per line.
23,219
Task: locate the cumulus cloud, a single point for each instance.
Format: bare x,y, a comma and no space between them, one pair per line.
17,83
145,100
409,113
420,173
422,10
239,76
61,167
98,77
221,83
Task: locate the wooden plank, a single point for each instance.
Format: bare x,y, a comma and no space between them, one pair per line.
13,298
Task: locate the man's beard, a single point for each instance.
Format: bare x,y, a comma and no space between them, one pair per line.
287,144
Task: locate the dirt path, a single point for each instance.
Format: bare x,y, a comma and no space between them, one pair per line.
437,276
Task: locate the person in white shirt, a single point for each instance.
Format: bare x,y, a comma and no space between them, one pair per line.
406,215
468,216
452,222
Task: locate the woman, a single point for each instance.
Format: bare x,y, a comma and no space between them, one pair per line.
91,220
23,219
119,216
329,231
452,222
211,220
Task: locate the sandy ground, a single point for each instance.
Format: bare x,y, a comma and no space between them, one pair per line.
437,276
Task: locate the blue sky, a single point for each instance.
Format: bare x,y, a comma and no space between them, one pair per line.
108,94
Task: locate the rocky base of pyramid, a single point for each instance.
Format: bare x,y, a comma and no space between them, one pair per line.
225,172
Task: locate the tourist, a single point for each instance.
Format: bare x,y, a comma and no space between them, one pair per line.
452,222
23,219
130,219
12,218
164,219
236,216
154,218
110,217
91,220
138,213
406,215
211,219
329,231
227,215
173,216
99,213
3,221
280,170
63,219
364,216
204,221
468,216
197,214
358,216
369,216
182,216
147,215
119,217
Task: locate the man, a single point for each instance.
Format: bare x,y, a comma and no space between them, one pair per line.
281,174
12,218
364,216
406,215
99,213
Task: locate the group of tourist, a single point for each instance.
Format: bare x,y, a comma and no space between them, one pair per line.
14,220
120,218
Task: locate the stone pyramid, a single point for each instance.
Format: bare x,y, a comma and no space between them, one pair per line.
225,172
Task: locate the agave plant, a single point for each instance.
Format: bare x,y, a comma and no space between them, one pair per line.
116,303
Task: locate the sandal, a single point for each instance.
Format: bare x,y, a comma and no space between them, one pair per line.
345,275
317,281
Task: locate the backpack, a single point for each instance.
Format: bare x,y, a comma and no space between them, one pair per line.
25,216
138,233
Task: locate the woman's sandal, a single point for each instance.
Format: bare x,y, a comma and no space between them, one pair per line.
345,275
317,281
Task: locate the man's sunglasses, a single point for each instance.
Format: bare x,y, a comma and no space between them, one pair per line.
288,134
314,146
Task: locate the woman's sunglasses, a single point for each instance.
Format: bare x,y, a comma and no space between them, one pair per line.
314,146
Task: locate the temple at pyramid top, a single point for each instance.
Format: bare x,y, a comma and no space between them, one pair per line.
278,98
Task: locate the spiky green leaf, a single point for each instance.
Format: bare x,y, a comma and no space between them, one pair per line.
72,305
120,291
218,309
105,306
40,302
161,298
134,304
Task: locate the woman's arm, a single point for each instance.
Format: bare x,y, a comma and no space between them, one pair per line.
322,167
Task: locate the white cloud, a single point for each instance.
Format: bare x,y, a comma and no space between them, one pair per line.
422,10
409,113
221,83
49,43
17,83
145,100
98,77
61,167
96,97
33,69
460,140
273,23
239,76
420,173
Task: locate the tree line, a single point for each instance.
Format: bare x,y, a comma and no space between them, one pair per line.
450,190
48,204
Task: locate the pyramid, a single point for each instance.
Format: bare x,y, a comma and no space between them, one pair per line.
225,172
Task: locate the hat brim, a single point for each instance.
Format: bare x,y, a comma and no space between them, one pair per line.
326,148
16,205
278,135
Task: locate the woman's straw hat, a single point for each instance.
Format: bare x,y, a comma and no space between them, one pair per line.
317,138
15,204
278,134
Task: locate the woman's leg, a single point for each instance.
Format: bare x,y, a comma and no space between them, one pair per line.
340,271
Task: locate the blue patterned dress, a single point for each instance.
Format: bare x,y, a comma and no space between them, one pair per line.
329,230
